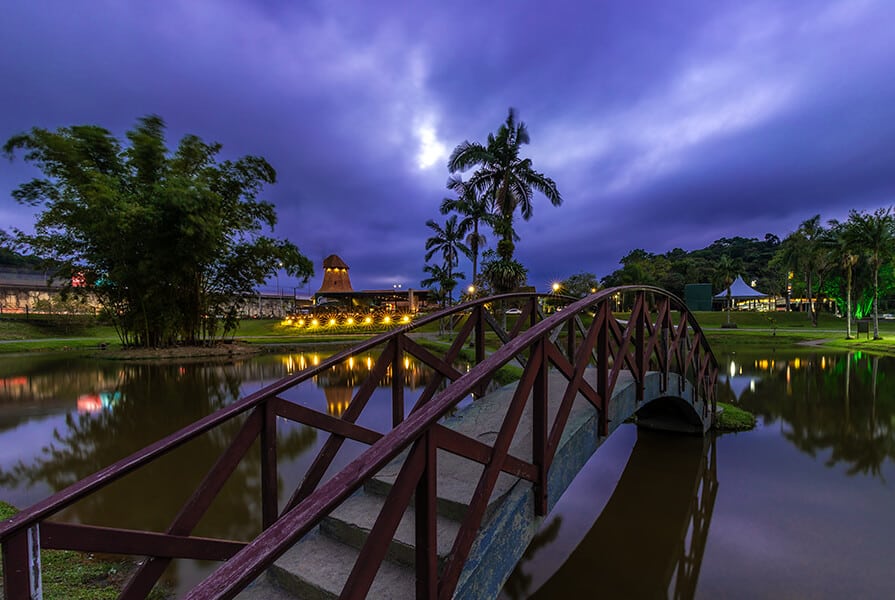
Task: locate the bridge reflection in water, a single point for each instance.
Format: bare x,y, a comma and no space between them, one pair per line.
649,540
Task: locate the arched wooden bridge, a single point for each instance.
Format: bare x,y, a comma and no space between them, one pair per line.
579,364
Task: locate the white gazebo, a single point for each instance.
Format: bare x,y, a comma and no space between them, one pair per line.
740,290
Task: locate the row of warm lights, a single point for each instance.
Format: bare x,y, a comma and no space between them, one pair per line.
348,322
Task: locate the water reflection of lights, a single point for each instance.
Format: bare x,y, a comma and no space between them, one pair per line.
92,403
738,382
11,382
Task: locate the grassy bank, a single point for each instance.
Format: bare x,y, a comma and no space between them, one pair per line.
734,418
754,330
77,576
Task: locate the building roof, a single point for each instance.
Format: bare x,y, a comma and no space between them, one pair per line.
739,289
334,262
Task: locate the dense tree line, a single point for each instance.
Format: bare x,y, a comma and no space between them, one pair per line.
850,264
674,269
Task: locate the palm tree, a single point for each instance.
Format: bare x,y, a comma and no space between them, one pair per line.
801,252
875,235
504,178
444,278
475,210
726,273
448,240
843,244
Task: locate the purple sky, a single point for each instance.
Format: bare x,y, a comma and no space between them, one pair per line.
664,124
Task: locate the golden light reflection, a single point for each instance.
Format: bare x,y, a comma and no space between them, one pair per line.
351,362
315,360
369,363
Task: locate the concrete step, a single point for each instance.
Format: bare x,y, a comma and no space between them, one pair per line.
264,589
317,568
351,523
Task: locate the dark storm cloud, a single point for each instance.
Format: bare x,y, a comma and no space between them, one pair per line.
663,124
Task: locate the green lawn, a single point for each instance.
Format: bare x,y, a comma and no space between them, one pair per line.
79,576
753,329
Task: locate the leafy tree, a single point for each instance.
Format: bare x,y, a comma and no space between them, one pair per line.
504,178
874,234
580,285
168,242
447,240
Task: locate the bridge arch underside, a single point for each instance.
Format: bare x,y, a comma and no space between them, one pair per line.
669,405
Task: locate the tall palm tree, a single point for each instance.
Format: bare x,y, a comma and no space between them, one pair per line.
802,253
844,246
475,211
875,235
448,241
504,178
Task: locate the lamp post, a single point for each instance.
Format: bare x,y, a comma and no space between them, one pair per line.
279,295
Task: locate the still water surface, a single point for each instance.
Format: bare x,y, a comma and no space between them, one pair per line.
803,506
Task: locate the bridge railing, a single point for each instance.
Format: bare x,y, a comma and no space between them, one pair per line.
583,334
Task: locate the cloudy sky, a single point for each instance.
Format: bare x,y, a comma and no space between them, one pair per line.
664,124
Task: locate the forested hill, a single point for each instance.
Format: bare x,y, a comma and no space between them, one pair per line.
676,268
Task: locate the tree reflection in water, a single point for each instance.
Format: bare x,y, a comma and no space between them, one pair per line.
843,404
153,401
125,406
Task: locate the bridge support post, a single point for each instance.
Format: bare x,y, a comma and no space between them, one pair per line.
639,306
539,429
602,348
398,382
21,565
268,441
425,510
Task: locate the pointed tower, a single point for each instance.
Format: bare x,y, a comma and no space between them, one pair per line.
335,276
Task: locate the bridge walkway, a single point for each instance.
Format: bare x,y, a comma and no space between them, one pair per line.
318,566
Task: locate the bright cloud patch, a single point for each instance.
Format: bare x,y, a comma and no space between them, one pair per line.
431,150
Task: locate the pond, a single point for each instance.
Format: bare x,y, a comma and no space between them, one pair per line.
802,506
63,418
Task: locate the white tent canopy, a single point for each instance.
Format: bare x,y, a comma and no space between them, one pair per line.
740,290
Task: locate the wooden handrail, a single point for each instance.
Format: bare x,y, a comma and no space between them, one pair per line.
637,345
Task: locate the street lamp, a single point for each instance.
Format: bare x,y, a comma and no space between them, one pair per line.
279,295
555,287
